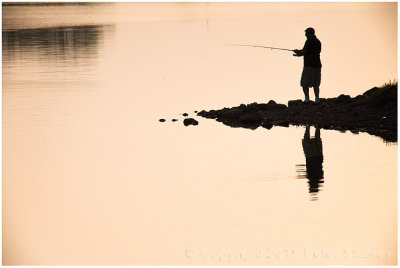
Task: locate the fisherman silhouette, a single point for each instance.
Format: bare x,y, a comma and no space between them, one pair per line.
312,148
311,75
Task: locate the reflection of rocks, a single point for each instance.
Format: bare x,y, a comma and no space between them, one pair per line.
362,113
190,121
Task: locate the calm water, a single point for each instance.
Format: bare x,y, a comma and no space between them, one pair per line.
91,177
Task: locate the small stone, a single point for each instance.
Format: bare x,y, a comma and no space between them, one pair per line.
190,121
185,114
174,120
161,120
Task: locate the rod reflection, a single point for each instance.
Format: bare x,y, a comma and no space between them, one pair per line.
312,170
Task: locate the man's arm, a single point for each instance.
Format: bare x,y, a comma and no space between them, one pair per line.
299,52
302,52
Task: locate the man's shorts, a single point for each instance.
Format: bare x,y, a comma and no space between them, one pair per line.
311,77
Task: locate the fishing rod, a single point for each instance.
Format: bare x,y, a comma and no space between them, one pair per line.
277,48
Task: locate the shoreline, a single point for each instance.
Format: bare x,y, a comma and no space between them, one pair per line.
370,112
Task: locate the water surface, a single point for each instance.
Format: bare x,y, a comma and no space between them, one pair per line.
91,177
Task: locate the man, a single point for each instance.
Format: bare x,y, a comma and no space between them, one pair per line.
311,76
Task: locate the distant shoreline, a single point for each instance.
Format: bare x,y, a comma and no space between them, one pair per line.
374,112
50,3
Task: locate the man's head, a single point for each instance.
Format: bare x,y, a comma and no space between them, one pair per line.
310,32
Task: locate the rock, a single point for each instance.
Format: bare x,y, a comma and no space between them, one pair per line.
174,120
162,120
252,107
242,106
295,113
185,114
190,121
294,103
232,114
343,98
281,123
278,106
212,114
202,113
250,118
267,124
271,105
271,102
370,91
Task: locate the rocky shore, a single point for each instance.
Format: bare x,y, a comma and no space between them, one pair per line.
373,112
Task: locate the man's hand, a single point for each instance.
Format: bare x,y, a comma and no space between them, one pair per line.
297,53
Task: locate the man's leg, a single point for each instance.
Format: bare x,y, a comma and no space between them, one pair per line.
306,96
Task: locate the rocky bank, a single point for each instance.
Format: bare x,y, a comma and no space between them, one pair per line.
370,112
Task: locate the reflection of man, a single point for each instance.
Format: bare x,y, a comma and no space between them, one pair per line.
312,148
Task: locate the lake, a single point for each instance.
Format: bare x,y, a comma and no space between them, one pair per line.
91,177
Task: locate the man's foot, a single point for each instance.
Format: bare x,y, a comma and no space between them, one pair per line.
307,100
317,101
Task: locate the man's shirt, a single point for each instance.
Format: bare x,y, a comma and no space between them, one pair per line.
313,49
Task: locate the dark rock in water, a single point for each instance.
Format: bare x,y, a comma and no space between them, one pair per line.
190,121
174,120
250,118
185,114
212,114
202,113
161,120
195,112
267,124
294,103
